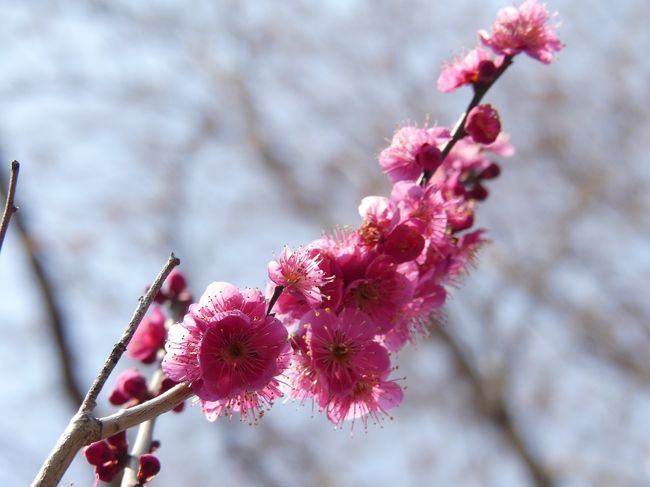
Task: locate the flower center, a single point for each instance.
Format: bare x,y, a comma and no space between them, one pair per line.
362,388
235,353
366,294
339,351
370,233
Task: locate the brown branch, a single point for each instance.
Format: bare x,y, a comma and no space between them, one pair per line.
119,348
495,408
55,321
127,418
10,208
84,428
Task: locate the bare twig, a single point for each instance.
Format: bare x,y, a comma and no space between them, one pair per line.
494,406
127,418
90,401
84,427
10,208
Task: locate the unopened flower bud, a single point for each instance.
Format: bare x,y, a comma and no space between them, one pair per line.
429,157
483,124
487,72
149,467
98,453
176,282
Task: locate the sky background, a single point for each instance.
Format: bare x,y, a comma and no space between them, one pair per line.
225,130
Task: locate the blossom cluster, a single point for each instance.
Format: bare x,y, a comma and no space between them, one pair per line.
338,309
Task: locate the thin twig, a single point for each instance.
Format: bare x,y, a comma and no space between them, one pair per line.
10,208
494,406
84,428
459,129
90,401
127,418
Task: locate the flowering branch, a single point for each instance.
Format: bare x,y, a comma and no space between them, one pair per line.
459,129
84,428
10,208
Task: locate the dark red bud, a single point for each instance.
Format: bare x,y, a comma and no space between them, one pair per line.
117,397
429,157
491,172
98,453
149,467
136,387
487,72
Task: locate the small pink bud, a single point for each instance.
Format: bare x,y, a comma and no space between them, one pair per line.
136,386
487,72
98,453
149,467
176,282
117,397
429,157
483,124
131,384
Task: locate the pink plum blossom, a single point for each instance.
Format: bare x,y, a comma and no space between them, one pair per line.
477,67
379,292
227,347
293,305
370,396
412,151
343,349
523,29
300,274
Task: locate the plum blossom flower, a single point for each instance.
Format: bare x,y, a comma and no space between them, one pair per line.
476,68
370,397
523,29
342,348
412,151
300,274
379,292
227,348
